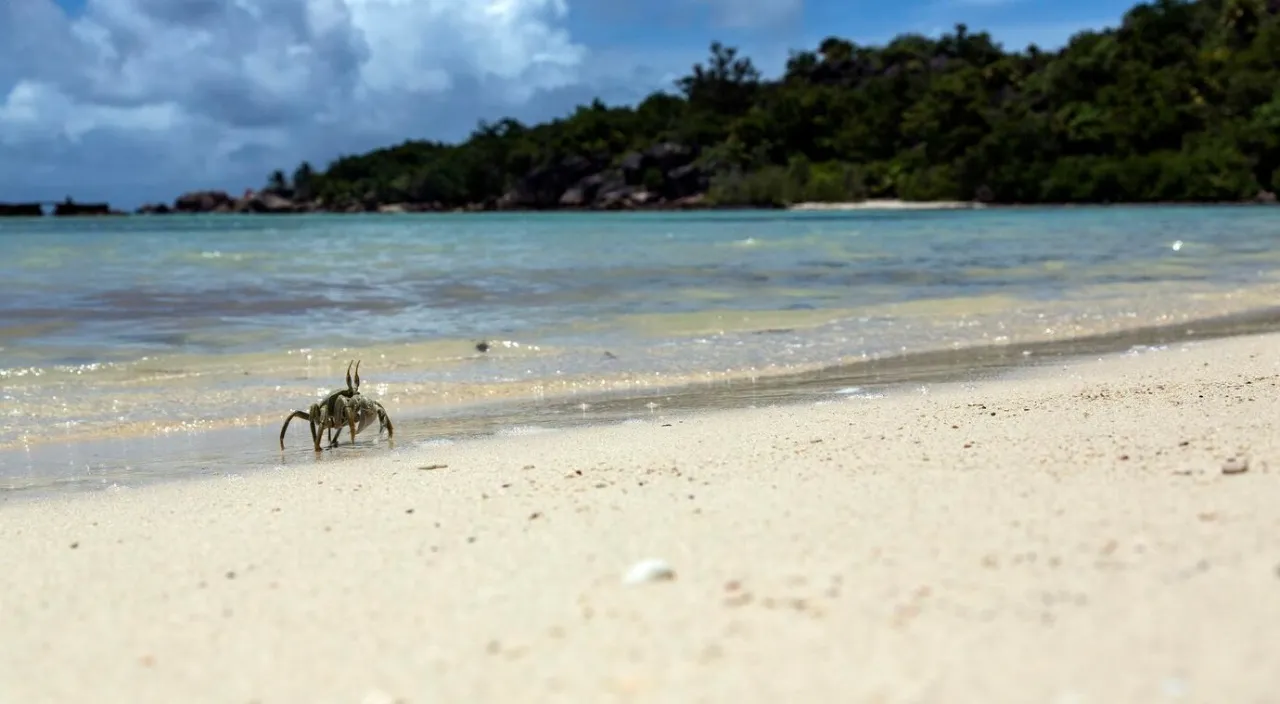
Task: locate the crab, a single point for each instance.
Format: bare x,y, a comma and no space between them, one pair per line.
320,415
357,413
344,407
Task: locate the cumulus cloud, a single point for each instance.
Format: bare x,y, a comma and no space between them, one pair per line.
211,91
132,100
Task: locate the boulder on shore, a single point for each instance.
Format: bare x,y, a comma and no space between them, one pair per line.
21,210
666,175
264,203
70,208
201,201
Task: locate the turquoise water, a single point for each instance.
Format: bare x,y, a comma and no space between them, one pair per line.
78,292
150,326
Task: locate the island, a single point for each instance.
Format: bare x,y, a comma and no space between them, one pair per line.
1177,104
65,208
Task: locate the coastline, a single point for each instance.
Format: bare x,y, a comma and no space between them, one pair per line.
888,204
723,400
842,306
146,455
870,205
978,539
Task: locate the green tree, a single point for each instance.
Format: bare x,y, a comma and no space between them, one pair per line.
303,181
277,183
1179,102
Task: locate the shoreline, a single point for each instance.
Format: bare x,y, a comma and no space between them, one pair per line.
183,456
887,204
870,205
862,294
979,540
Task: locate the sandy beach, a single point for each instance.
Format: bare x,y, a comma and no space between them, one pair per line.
889,204
1080,533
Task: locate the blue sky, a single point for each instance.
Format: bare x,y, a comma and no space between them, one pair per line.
138,100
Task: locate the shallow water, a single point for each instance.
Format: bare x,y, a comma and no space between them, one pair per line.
142,336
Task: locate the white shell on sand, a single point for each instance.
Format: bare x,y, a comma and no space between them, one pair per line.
649,571
1235,465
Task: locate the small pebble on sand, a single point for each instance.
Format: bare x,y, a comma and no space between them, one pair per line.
1235,465
649,571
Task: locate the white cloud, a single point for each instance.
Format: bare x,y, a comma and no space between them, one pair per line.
132,100
227,90
42,110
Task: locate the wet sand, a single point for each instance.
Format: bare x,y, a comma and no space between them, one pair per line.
124,459
1074,533
219,326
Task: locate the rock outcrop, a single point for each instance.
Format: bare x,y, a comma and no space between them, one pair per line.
222,202
154,209
70,208
667,175
64,209
664,175
203,202
264,203
21,210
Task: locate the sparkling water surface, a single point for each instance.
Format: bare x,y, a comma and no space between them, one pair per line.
147,326
83,291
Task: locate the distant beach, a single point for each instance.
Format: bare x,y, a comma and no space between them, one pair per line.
889,204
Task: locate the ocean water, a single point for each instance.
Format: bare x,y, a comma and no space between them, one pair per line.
132,346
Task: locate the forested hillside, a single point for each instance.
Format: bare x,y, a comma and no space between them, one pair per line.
1180,103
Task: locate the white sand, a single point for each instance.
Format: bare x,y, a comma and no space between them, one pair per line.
1064,536
889,204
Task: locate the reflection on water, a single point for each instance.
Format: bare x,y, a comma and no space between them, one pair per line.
212,285
132,460
156,329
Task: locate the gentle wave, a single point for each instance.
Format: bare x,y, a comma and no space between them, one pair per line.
156,326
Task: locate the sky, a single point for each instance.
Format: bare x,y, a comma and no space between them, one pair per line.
133,101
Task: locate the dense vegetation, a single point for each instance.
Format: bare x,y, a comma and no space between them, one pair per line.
1180,103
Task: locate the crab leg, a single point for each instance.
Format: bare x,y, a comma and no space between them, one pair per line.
349,413
384,419
305,416
337,418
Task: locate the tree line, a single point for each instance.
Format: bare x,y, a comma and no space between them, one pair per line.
1180,102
